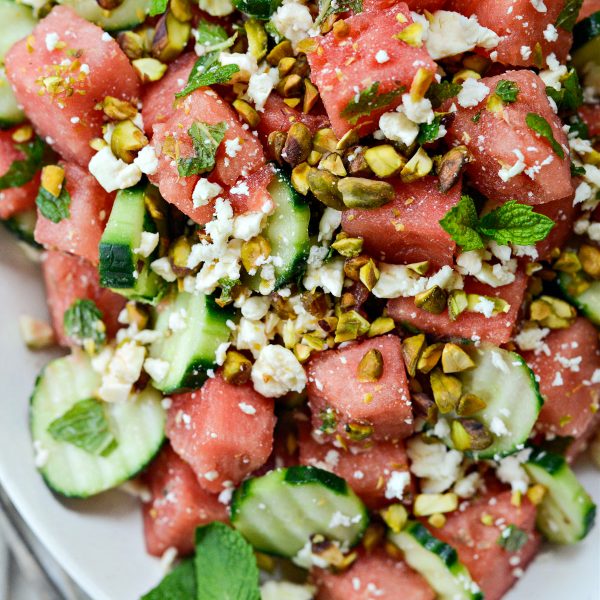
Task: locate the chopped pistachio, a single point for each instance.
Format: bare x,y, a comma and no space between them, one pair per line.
126,140
182,9
324,186
430,357
246,112
476,62
170,38
383,160
257,38
350,138
253,251
425,405
333,163
22,134
469,404
437,520
370,367
451,166
353,265
331,553
412,35
589,257
412,349
420,84
469,434
419,268
298,144
299,178
500,305
373,536
464,74
417,167
178,254
311,96
430,504
36,334
395,517
355,162
276,142
357,431
578,284
52,179
495,104
446,389
455,359
457,303
236,368
380,326
314,157
359,192
348,246
149,69
341,29
316,303
350,326
291,85
369,274
137,315
552,313
118,110
265,562
97,144
301,66
285,66
109,4
432,300
325,140
282,50
536,494
568,262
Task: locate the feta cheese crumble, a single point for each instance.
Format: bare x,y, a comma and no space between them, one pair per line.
277,372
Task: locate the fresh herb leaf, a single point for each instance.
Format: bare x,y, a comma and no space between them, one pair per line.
86,426
261,9
206,140
207,71
225,565
440,92
514,223
475,118
23,171
577,171
211,37
365,102
332,7
538,124
428,132
461,223
507,91
570,95
83,323
157,7
178,584
568,15
579,127
512,538
54,208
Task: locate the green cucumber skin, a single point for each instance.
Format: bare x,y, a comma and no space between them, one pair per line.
299,475
260,9
592,312
108,23
116,266
23,230
586,30
446,553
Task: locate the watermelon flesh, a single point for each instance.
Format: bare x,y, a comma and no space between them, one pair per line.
383,406
89,210
371,576
477,544
590,113
493,139
68,119
407,229
178,505
14,200
589,7
496,329
342,65
415,5
223,431
257,197
69,278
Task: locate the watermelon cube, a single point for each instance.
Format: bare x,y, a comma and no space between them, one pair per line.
495,329
414,5
223,431
69,278
178,505
590,113
407,229
339,401
492,567
342,67
367,468
501,144
14,200
257,197
371,576
89,210
521,25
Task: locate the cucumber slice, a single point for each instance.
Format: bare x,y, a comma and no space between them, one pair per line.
279,512
10,113
120,268
190,350
260,9
437,562
586,41
23,225
138,426
507,385
17,22
588,302
126,16
567,513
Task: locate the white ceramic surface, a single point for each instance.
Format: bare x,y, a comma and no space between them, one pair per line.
100,543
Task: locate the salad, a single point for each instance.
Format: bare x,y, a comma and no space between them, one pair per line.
327,277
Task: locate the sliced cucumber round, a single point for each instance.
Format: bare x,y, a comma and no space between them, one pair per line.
137,426
23,225
279,512
126,16
587,302
10,113
586,41
437,562
566,513
17,22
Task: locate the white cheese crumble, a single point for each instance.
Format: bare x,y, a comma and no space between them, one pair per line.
506,173
246,408
509,470
204,192
248,225
111,172
122,370
156,368
472,93
51,40
217,8
260,87
162,267
293,21
382,57
328,276
396,126
329,222
434,463
550,33
245,62
251,336
277,372
397,483
146,160
277,590
148,243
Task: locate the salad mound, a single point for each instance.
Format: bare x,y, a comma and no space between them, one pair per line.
328,277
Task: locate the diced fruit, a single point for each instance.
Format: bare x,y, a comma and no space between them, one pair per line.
500,140
588,8
258,197
407,229
590,113
341,67
416,5
378,410
14,200
496,329
373,575
492,567
178,505
223,431
59,91
89,210
69,278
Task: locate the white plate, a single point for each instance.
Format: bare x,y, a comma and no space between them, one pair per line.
100,542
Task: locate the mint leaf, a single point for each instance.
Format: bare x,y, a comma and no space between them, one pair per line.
512,538
206,140
579,127
440,92
86,426
54,208
83,323
461,223
514,223
507,91
23,171
538,124
207,71
157,7
570,95
366,101
428,132
568,15
180,583
577,171
225,565
332,7
211,37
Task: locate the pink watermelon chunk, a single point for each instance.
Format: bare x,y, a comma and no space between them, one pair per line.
496,329
492,567
383,407
590,113
69,278
343,66
373,576
89,210
91,66
495,141
158,98
588,8
367,469
407,229
178,505
14,200
519,25
256,198
415,5
223,431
